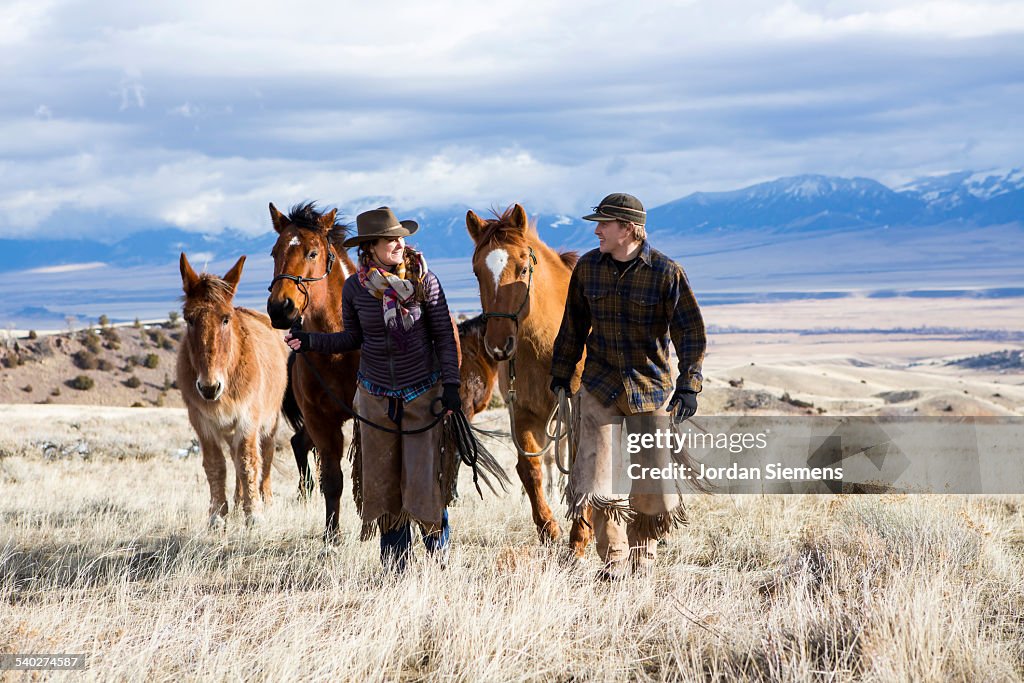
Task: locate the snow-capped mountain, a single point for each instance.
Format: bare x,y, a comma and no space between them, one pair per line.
801,233
800,203
985,198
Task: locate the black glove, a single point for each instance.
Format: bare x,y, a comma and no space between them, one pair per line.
450,399
303,338
683,405
559,383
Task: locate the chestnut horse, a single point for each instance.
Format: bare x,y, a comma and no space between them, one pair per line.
232,371
524,282
310,268
478,373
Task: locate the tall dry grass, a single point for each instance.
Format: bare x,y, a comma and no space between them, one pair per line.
110,557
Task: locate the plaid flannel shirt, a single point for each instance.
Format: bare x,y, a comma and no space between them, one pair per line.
626,323
407,394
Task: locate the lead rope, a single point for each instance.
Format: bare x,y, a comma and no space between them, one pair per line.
565,428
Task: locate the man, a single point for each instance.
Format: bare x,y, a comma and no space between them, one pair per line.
625,301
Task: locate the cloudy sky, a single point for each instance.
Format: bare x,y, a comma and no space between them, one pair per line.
196,113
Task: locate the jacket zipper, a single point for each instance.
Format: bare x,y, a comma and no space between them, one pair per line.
391,358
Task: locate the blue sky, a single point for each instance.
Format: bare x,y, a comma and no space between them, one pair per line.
196,114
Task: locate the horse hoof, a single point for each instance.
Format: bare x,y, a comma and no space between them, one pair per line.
328,550
550,532
569,559
254,521
217,522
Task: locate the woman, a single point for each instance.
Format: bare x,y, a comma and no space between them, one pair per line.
395,312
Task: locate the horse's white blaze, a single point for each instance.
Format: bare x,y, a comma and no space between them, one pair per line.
496,262
294,242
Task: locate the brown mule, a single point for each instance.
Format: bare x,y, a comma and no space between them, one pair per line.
232,371
309,246
521,277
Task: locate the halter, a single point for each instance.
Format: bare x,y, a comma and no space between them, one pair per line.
300,282
514,317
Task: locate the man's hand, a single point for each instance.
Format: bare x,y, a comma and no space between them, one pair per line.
558,383
450,398
683,405
297,340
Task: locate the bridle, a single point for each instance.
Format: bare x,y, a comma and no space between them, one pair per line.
300,282
514,317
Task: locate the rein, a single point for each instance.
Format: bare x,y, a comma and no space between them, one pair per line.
471,452
300,282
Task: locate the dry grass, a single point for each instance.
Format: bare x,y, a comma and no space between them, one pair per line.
108,555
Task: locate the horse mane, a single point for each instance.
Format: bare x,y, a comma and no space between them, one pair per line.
211,288
499,229
475,325
306,216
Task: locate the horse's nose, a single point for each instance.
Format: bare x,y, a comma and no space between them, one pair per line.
281,312
500,354
211,392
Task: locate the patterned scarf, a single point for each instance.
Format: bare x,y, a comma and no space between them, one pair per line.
393,289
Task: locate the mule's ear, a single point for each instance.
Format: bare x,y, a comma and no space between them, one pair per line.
280,220
235,274
189,279
327,220
518,219
474,224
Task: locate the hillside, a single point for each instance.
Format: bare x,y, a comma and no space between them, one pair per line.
127,366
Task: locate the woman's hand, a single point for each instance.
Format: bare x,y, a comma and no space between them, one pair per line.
297,340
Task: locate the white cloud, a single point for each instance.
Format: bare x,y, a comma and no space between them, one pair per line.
67,268
552,104
186,110
947,19
132,93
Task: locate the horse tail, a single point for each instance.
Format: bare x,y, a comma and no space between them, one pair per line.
289,406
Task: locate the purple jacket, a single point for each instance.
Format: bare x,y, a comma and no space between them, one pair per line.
429,344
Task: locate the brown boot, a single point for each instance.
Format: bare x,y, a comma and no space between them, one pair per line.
615,571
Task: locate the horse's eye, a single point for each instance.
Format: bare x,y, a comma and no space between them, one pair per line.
225,320
312,255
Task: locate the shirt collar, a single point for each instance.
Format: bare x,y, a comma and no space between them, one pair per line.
645,253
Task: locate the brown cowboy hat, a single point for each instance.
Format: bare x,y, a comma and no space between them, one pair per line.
380,224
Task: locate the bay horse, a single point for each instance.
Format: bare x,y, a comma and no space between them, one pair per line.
310,268
523,287
232,371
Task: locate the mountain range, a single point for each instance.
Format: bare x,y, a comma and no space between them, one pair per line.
794,205
796,237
